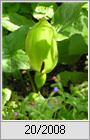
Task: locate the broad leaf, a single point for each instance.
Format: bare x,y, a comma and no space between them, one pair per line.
66,14
14,21
6,94
71,49
14,57
19,60
75,77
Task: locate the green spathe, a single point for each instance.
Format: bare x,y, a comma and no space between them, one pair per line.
40,79
41,47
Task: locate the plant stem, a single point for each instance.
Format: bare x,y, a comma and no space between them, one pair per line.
31,81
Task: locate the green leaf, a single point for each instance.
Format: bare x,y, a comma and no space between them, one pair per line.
60,37
54,102
14,57
6,23
15,41
40,108
71,49
77,45
41,10
85,6
25,9
14,21
66,14
79,26
74,77
6,94
10,7
19,60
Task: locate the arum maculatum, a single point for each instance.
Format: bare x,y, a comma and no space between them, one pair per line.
41,47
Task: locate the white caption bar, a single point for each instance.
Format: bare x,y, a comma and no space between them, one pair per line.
44,130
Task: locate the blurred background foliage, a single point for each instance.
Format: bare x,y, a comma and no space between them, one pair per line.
65,93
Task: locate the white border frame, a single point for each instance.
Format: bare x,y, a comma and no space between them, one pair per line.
32,1
8,1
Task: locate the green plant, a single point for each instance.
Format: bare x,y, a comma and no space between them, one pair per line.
41,47
45,61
